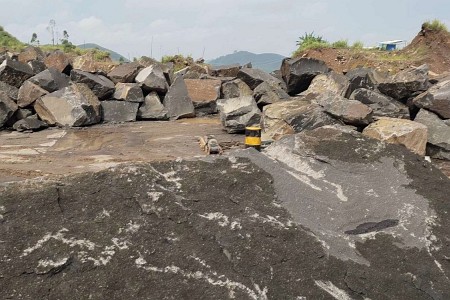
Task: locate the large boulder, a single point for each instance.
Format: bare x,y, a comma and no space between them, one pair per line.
438,134
28,93
204,94
436,99
331,82
363,78
51,80
152,79
350,112
225,70
266,93
152,108
102,87
31,123
238,113
410,134
37,66
7,108
60,61
75,105
129,92
254,77
119,111
167,68
31,53
382,105
10,90
177,100
14,72
234,89
125,73
299,72
405,83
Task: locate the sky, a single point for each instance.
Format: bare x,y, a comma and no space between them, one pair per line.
212,28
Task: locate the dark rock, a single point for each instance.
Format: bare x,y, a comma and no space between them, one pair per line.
177,100
254,77
75,105
299,72
125,73
28,93
436,99
14,73
204,94
152,108
20,114
167,68
152,79
225,71
265,94
37,66
31,53
7,108
10,90
238,113
405,83
234,89
382,106
102,87
51,80
60,61
31,123
331,82
438,134
363,78
350,112
129,92
119,111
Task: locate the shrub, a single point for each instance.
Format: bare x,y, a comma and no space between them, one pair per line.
340,44
434,25
358,45
310,41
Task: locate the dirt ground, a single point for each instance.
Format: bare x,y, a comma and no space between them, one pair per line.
58,151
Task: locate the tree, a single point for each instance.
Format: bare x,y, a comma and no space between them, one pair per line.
34,41
65,38
51,30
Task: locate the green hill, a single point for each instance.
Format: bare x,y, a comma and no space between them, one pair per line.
265,61
9,41
114,55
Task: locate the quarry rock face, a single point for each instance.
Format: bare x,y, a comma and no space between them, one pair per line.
331,82
31,53
235,88
266,93
152,79
382,106
119,111
60,61
10,90
362,78
177,100
204,94
299,72
438,134
51,80
225,71
131,92
436,99
125,73
28,93
254,77
102,87
14,72
405,83
7,108
152,108
238,113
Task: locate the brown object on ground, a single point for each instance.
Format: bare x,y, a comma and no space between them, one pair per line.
209,145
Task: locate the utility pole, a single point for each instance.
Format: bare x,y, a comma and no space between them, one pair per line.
51,30
151,48
203,54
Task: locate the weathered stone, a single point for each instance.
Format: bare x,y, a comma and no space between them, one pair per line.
265,94
152,79
177,100
204,94
365,78
10,90
438,134
238,113
14,73
436,99
382,106
152,108
31,123
119,111
350,112
102,87
20,114
410,134
28,93
37,66
51,80
88,63
195,71
31,53
125,73
167,68
331,82
60,61
75,105
225,71
254,77
405,83
129,92
299,72
7,108
235,89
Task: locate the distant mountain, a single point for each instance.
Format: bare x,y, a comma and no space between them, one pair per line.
114,55
265,61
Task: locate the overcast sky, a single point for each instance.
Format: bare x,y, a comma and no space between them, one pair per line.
218,27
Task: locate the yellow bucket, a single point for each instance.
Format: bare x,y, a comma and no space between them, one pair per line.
253,137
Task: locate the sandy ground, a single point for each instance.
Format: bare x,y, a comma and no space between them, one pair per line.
58,151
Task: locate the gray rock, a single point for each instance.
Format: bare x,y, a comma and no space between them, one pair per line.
204,94
119,111
382,106
7,108
405,83
350,112
31,123
31,53
10,90
125,73
60,61
238,113
363,78
254,77
265,94
152,108
129,92
299,72
234,89
51,80
28,93
20,114
75,105
177,100
152,79
102,87
436,99
14,73
331,82
37,66
225,70
438,134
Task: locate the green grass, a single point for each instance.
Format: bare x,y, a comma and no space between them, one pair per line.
98,54
342,44
358,45
435,25
10,42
